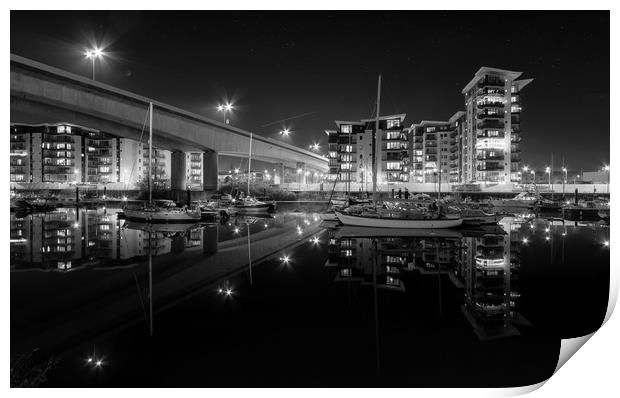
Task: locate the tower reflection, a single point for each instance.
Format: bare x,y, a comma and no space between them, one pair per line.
484,263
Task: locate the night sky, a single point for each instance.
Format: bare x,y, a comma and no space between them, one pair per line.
324,66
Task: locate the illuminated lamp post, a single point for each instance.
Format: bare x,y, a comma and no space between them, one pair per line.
93,55
565,171
606,168
225,109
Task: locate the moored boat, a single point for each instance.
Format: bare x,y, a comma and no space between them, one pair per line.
154,214
370,232
399,220
479,217
250,205
522,200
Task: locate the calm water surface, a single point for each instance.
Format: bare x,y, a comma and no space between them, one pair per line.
289,301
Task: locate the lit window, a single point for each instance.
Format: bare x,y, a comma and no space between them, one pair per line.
393,165
393,135
392,123
346,129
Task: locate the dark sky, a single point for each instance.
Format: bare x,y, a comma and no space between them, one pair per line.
276,65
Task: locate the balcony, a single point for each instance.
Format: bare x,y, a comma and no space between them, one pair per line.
490,167
487,105
485,134
486,116
490,91
492,158
489,82
58,170
490,124
49,153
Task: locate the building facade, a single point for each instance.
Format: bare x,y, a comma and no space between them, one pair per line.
350,151
435,149
492,140
66,155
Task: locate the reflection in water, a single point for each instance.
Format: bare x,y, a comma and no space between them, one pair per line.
68,238
485,263
139,271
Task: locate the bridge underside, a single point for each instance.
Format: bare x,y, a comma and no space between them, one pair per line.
43,94
29,112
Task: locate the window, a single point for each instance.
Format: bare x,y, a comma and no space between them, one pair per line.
430,129
393,165
393,135
348,148
346,129
346,158
104,169
345,166
392,123
493,133
393,145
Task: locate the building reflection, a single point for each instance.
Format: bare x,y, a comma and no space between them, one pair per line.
483,263
69,238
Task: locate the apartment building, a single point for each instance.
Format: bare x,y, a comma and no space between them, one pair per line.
66,154
492,140
350,151
435,150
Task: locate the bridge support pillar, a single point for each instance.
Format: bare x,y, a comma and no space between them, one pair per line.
178,171
278,173
210,172
301,173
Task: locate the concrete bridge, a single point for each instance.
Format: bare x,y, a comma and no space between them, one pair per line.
44,94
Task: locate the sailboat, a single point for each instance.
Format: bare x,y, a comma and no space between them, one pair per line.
383,217
249,204
151,213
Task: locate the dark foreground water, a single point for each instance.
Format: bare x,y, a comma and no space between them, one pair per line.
286,301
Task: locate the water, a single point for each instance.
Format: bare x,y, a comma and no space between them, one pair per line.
301,304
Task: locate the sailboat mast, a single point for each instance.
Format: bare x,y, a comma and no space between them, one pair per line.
374,145
551,174
150,152
439,160
249,165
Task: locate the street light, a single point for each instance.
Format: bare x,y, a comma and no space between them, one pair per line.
285,132
315,147
565,170
93,55
548,171
225,108
533,173
606,168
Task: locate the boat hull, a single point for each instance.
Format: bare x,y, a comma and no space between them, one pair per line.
483,220
261,209
162,216
329,217
370,232
360,221
512,204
